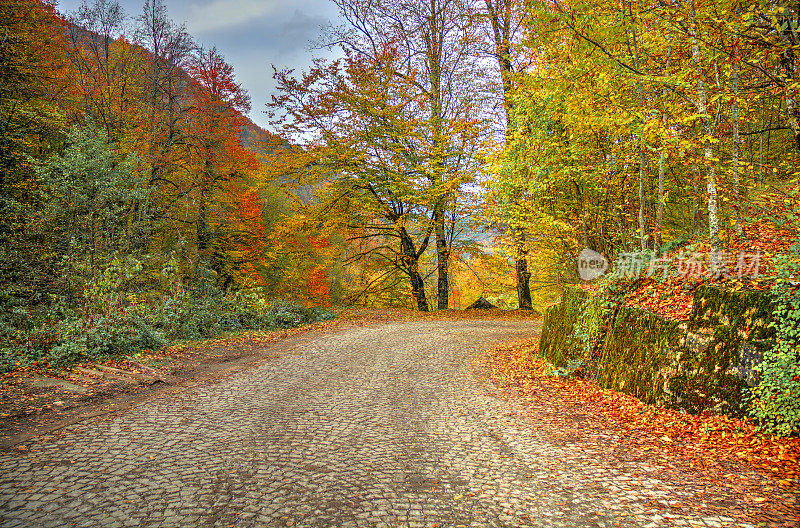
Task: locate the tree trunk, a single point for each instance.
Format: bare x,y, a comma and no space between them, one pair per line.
203,231
411,267
581,213
787,60
794,121
499,14
662,161
523,282
696,198
418,288
737,195
708,147
442,263
643,234
761,148
642,195
433,38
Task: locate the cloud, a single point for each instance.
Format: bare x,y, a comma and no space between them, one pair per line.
227,14
278,38
299,31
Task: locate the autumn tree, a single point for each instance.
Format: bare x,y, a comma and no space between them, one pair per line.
33,85
565,151
436,44
502,18
365,136
163,118
215,117
608,86
180,109
240,245
698,93
107,85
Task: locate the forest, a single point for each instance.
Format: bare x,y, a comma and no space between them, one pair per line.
455,149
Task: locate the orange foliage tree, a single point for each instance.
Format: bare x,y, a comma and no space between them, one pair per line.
33,86
219,158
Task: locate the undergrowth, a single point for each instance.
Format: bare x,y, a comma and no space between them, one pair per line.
114,325
775,401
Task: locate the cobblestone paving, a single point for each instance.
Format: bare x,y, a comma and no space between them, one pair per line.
374,427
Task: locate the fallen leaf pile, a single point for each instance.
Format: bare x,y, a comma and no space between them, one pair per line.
747,262
671,300
730,452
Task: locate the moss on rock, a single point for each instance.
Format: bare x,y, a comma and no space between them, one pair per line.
703,364
638,355
557,343
713,377
749,312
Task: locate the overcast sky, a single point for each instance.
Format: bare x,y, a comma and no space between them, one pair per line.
251,34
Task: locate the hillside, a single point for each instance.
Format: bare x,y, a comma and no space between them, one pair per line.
252,136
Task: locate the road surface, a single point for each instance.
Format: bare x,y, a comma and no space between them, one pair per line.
365,427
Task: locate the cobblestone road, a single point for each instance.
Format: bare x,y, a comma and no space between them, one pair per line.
374,426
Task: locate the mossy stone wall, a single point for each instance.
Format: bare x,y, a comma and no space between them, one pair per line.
556,342
638,355
704,363
727,335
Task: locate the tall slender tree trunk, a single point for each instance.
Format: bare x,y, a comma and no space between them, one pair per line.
203,230
662,162
790,43
708,147
433,37
761,148
442,262
696,198
793,115
582,213
499,14
643,235
737,194
633,45
203,195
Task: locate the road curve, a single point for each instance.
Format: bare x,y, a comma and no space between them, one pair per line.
369,426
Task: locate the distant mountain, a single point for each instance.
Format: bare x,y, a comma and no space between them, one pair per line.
257,139
252,136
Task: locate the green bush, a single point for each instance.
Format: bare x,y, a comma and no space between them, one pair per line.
11,358
92,337
108,326
775,401
285,314
191,316
584,315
